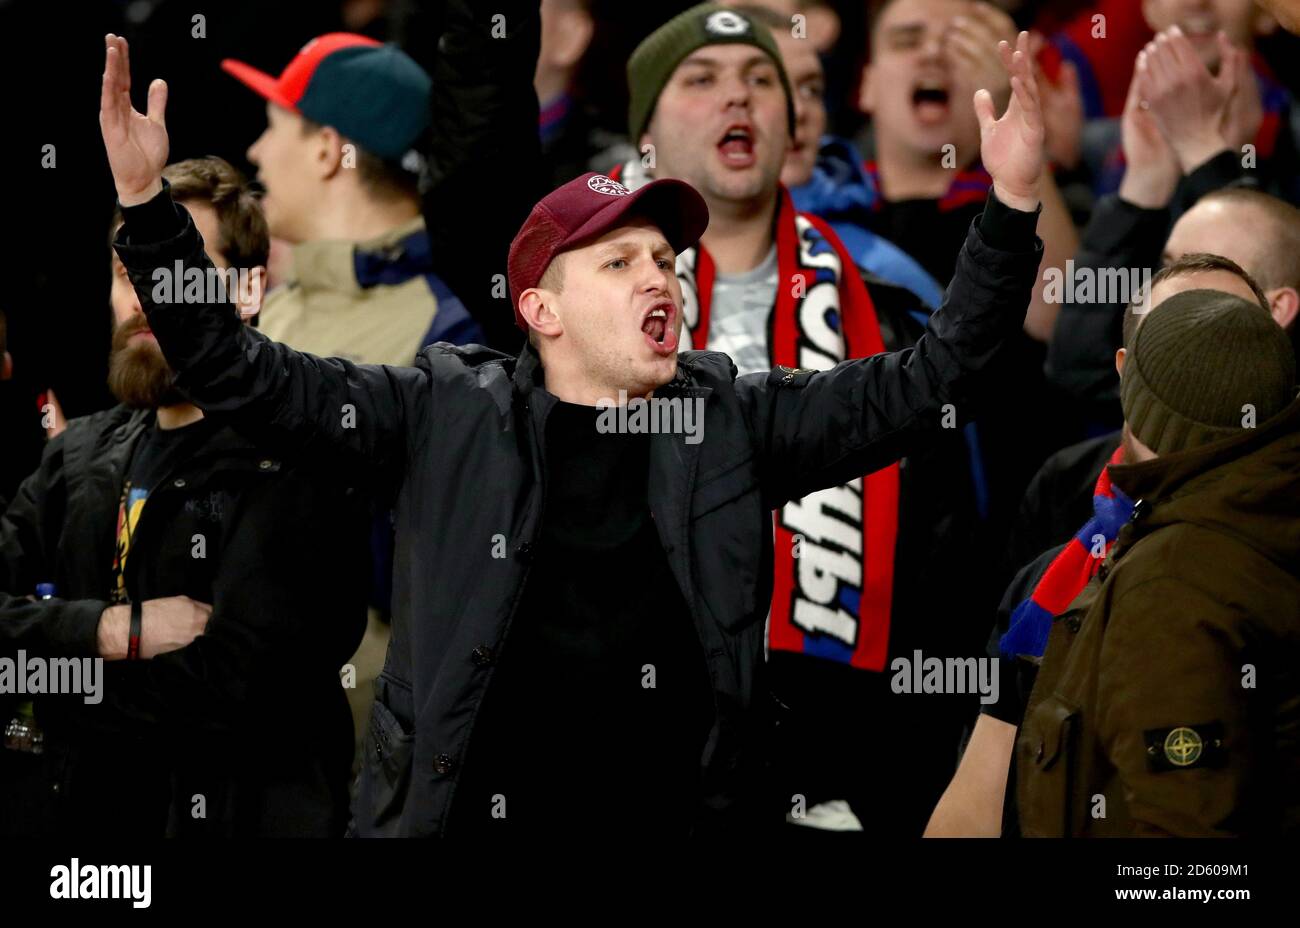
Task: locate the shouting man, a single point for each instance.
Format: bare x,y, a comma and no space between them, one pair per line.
582,646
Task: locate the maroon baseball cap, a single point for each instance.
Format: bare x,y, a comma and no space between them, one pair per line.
589,206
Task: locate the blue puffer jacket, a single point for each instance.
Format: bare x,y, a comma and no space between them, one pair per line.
840,193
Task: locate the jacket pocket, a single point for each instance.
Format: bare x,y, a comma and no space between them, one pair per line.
1048,768
385,773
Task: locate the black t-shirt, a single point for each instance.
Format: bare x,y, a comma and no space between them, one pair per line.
571,735
156,454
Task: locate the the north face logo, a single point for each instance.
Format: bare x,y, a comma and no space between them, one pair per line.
725,22
602,184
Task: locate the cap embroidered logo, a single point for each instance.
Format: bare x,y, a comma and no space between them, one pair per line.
602,184
725,22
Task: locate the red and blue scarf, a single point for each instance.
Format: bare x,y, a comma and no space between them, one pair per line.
1070,571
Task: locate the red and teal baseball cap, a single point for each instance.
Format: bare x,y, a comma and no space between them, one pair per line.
373,93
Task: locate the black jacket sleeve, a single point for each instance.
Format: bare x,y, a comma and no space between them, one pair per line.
1081,354
28,538
485,166
819,429
351,418
278,633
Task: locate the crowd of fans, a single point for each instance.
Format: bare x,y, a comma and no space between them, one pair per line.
1112,489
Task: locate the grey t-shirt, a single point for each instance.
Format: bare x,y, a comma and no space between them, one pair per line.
739,312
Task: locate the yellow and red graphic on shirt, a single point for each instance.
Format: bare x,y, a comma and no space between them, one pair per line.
128,517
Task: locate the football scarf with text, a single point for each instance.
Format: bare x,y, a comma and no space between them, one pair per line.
834,581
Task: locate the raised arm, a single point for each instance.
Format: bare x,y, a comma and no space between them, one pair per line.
346,417
485,163
817,430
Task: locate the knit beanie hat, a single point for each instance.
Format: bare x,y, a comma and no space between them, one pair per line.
663,50
1204,365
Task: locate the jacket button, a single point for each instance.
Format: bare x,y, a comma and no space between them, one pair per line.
178,482
1073,623
1140,510
525,552
443,763
482,655
266,465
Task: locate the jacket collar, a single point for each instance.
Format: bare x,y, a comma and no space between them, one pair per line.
332,264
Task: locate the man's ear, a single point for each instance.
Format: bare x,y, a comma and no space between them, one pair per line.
538,309
332,153
1119,361
1284,304
249,298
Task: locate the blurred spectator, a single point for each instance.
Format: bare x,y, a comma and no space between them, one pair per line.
1130,232
824,175
339,163
153,506
928,57
1203,51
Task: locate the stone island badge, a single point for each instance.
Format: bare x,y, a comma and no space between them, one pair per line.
1184,746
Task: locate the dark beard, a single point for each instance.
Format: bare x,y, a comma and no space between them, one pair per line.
138,374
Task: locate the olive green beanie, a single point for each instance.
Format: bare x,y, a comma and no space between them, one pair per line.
1204,365
663,50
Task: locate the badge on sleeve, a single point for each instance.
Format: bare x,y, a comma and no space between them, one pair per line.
1184,746
789,375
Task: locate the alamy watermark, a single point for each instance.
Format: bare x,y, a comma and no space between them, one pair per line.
103,881
206,286
1096,285
673,415
40,676
919,674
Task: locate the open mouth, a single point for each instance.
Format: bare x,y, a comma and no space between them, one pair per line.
930,101
737,145
657,325
1199,27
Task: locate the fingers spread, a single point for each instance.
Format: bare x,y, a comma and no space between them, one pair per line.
158,102
984,110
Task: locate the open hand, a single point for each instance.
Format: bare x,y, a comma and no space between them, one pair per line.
1186,101
1151,169
1011,148
136,144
